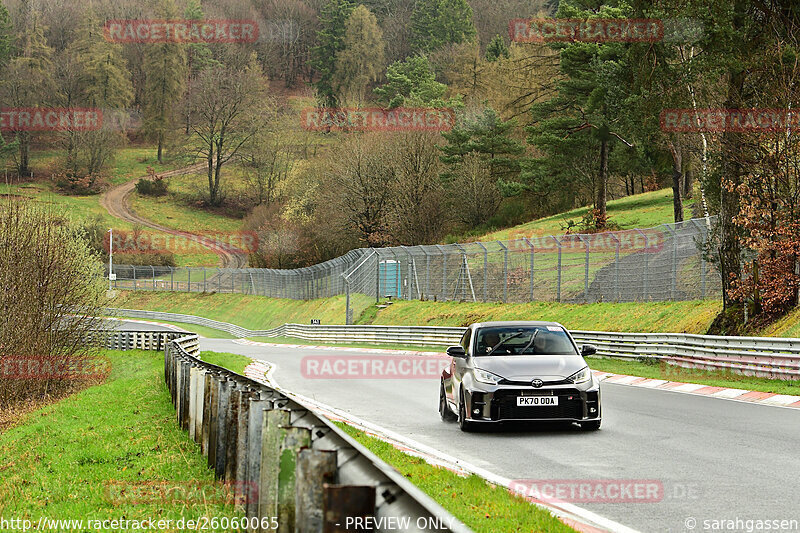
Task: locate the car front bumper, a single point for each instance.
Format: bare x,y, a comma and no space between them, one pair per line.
499,404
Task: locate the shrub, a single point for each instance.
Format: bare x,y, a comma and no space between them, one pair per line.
51,291
154,187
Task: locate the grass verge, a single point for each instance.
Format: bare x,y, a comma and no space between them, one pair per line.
69,459
252,312
232,361
480,505
715,378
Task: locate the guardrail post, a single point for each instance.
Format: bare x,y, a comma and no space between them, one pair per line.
315,469
223,424
341,502
258,406
213,420
272,421
233,437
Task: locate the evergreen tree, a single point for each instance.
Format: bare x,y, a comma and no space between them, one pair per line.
435,23
486,136
6,35
330,37
165,70
496,49
413,83
576,128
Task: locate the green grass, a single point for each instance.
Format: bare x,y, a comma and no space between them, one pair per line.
232,361
685,317
637,211
252,312
292,340
714,378
481,506
60,460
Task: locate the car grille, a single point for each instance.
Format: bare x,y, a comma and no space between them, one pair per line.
507,408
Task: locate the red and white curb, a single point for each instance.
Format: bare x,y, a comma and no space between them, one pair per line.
576,517
741,395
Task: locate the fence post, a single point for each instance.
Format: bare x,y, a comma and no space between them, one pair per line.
134,277
153,269
189,278
616,267
674,281
702,231
485,269
171,279
529,243
378,278
646,264
205,280
505,271
558,269
585,270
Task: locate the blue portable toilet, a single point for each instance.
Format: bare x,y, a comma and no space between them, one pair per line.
389,279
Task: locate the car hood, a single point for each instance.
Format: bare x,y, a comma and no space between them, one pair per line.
527,367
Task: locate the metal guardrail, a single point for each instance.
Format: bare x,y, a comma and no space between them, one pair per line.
133,340
759,356
284,461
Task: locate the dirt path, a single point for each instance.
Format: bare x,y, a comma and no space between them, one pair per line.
117,202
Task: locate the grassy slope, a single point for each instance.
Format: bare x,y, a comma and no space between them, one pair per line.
256,312
252,312
638,211
689,317
59,460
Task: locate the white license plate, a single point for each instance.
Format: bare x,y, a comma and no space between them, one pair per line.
536,401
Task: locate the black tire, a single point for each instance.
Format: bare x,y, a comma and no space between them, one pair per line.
444,410
593,425
463,424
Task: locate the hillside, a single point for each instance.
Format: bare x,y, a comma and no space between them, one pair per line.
636,211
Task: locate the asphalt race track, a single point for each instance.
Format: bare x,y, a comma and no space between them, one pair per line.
716,459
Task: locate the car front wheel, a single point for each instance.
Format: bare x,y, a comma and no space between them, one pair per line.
444,409
463,423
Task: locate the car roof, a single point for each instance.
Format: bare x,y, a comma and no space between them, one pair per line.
511,323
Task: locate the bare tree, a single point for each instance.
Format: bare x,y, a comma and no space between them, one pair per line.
226,106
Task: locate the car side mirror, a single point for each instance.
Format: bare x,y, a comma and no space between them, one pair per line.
456,351
588,349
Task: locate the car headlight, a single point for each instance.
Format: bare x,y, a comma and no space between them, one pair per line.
482,376
581,376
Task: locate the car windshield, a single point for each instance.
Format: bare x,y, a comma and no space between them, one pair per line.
523,340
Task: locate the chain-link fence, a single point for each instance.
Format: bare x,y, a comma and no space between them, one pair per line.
654,264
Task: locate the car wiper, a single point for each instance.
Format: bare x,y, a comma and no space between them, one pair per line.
522,351
499,344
